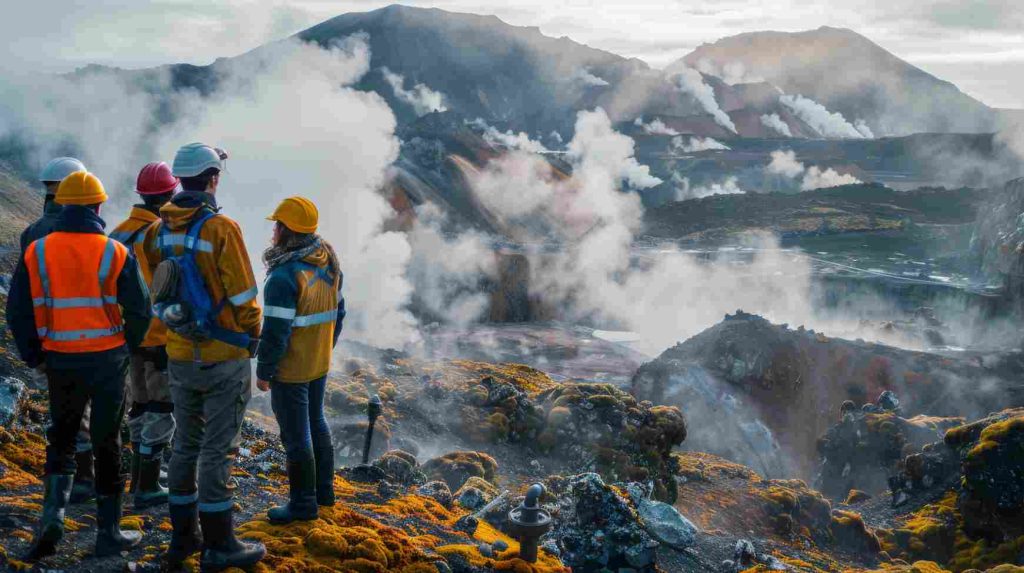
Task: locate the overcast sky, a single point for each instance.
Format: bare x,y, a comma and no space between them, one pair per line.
976,44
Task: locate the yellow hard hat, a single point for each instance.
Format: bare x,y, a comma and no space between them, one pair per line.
80,188
298,214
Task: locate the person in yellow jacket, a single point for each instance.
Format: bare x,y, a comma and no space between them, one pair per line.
303,313
209,370
79,308
150,423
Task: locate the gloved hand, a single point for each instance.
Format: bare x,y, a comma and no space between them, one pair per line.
254,347
262,384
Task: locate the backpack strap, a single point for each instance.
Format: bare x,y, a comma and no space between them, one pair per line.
217,332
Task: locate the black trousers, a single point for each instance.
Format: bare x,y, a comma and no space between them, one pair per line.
102,384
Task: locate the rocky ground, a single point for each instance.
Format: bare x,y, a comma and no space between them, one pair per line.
460,441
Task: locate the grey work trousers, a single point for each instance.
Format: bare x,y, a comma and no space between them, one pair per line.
150,421
209,404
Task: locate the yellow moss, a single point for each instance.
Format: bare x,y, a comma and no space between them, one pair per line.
22,456
340,540
917,567
133,522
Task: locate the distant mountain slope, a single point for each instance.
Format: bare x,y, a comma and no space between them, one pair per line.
487,68
848,73
20,204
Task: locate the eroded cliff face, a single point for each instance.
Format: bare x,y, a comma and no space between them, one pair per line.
998,241
762,394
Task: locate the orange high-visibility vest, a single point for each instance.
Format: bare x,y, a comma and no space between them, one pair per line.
74,291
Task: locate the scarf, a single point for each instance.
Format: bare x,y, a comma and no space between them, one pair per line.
298,247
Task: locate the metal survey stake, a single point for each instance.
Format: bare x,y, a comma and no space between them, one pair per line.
373,410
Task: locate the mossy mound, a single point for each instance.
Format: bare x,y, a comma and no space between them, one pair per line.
865,448
628,439
455,468
981,526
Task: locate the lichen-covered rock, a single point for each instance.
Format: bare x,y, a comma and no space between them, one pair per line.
12,395
599,528
629,440
400,467
455,468
475,493
864,451
666,524
438,491
992,453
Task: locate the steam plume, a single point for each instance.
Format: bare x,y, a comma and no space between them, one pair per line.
826,123
422,99
690,81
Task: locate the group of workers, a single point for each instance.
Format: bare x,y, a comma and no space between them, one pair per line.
168,301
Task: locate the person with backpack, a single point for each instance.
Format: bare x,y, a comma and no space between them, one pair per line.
303,313
53,173
79,307
150,422
205,293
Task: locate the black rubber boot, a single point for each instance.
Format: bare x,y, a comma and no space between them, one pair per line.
110,540
150,492
84,487
185,536
51,525
302,504
325,475
133,485
221,549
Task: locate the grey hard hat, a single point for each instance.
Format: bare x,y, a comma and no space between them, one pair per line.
194,158
57,169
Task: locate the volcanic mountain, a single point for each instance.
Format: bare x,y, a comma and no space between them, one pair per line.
849,74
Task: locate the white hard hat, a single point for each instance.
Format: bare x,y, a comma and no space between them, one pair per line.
57,169
194,158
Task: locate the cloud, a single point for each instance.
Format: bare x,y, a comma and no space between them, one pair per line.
508,138
655,127
774,122
422,99
584,77
684,190
785,163
595,138
826,123
695,144
690,81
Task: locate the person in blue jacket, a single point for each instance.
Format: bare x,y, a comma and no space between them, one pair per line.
302,318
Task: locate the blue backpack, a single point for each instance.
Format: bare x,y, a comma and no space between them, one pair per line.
181,299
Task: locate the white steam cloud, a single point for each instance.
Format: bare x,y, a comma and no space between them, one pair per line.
774,122
731,73
695,144
655,127
509,139
584,77
785,163
826,123
292,124
690,81
447,269
422,99
684,190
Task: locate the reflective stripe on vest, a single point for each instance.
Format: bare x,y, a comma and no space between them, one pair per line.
169,240
303,320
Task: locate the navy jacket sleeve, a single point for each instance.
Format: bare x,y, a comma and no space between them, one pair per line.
21,320
280,295
341,310
133,296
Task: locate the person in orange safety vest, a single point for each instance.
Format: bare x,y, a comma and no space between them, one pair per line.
79,306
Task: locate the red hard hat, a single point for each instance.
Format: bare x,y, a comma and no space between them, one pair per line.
156,179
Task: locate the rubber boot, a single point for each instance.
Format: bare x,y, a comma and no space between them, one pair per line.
110,540
185,536
302,504
84,487
221,549
325,475
150,493
51,526
133,485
